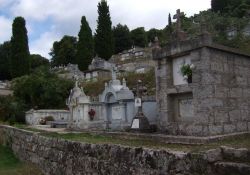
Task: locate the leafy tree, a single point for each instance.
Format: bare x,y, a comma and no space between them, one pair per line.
20,63
152,33
122,38
85,45
5,56
139,37
233,8
104,39
64,51
37,61
42,90
11,109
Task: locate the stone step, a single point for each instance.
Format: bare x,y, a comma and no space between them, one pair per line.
232,168
233,154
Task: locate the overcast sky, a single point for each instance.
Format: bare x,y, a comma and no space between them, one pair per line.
48,20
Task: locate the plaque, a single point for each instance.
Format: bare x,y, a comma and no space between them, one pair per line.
186,108
137,102
135,124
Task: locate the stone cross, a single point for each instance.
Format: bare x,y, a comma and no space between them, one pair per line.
178,16
113,71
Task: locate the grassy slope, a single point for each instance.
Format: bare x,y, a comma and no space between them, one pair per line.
10,165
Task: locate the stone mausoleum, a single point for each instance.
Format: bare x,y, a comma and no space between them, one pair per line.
218,99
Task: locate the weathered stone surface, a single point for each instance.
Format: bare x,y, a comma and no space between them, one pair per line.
230,168
213,155
220,87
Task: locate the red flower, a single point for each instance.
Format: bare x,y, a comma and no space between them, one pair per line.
91,113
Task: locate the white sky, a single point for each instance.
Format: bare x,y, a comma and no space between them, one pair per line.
48,20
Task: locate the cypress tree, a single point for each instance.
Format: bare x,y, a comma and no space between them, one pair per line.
85,45
20,63
104,40
5,53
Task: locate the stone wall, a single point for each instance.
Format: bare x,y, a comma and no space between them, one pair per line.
32,117
220,90
61,157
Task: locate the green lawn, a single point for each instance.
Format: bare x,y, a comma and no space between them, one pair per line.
10,165
242,141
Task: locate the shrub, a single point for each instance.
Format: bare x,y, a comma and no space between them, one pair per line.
49,118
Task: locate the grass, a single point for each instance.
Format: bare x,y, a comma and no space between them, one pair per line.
236,142
242,141
10,165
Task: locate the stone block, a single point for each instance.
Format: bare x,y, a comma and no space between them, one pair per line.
246,92
245,115
215,129
241,126
229,128
234,115
235,92
194,130
221,117
221,92
213,155
235,154
241,80
210,103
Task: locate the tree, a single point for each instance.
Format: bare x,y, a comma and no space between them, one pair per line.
122,38
218,5
152,33
139,37
104,40
5,56
37,60
64,51
42,90
85,45
20,63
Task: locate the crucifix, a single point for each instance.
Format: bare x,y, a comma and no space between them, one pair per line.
113,71
140,122
178,16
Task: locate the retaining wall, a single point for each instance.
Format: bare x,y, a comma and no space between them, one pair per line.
61,157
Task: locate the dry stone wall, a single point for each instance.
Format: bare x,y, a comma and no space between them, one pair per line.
61,157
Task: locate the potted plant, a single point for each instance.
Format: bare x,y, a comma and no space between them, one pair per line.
91,114
186,71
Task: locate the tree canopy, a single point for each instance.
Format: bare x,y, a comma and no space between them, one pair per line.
20,63
139,37
104,40
233,8
122,38
85,45
42,90
64,51
37,60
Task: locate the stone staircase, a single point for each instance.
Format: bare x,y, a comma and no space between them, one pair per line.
233,162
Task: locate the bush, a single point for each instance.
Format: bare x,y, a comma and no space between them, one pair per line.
49,118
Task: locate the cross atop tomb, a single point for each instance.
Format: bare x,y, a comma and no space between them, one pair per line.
113,71
179,33
178,16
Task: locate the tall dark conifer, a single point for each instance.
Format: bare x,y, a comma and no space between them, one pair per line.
104,40
85,45
5,56
20,63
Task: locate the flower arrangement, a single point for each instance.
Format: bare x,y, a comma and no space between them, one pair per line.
186,71
91,114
